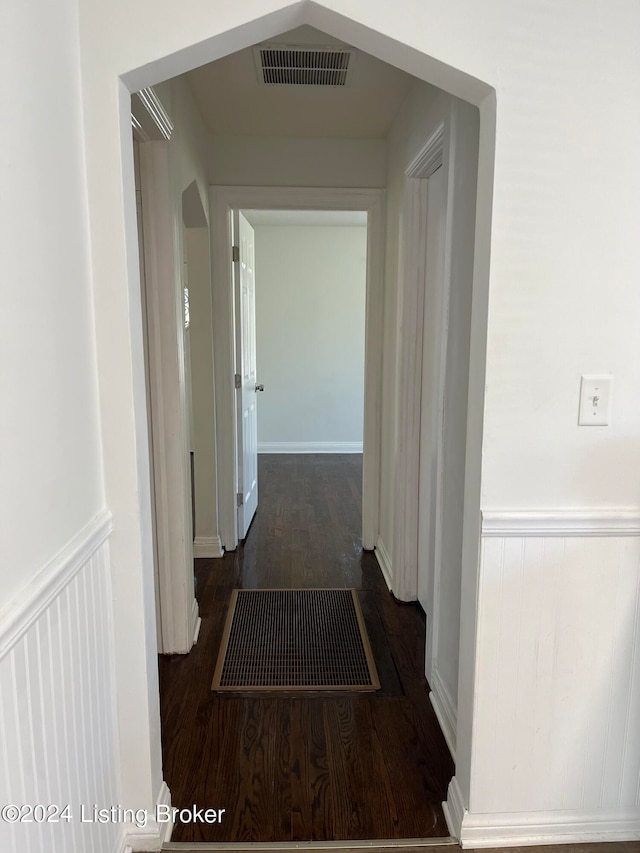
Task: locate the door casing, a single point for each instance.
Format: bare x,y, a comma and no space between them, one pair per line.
246,411
177,619
223,201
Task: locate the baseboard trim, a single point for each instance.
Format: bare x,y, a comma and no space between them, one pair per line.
133,840
25,609
384,561
454,810
208,547
554,827
164,799
624,521
196,632
154,836
195,620
310,447
122,845
445,710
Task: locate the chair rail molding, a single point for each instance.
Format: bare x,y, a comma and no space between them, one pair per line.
567,522
17,617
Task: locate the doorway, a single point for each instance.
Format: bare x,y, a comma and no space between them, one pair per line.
376,480
290,768
300,301
223,202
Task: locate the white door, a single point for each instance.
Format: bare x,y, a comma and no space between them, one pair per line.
431,404
245,379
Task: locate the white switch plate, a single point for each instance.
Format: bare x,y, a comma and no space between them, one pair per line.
595,400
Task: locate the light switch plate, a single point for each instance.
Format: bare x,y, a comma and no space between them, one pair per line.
595,400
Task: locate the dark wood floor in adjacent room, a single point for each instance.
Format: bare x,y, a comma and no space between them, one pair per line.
311,767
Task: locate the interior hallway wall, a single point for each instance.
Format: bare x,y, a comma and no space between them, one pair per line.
207,540
423,110
445,642
310,325
190,148
285,162
561,260
57,692
50,453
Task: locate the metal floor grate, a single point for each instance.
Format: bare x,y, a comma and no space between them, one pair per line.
295,639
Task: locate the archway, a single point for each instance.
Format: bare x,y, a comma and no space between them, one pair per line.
134,543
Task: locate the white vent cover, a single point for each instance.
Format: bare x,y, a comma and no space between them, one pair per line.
303,65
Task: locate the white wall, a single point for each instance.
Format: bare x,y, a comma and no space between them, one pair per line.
310,323
564,259
190,141
462,195
420,114
57,701
190,155
198,260
261,161
49,432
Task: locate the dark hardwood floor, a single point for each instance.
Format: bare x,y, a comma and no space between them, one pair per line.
306,767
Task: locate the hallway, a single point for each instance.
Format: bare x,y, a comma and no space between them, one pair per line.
288,768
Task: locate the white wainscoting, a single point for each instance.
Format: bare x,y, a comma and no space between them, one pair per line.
557,720
57,699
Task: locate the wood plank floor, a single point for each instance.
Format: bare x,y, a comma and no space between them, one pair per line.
311,767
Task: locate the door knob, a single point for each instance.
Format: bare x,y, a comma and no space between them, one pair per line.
259,387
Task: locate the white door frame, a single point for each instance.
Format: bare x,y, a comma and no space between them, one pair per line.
246,397
223,200
437,152
178,615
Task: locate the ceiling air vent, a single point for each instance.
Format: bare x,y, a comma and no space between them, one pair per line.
303,65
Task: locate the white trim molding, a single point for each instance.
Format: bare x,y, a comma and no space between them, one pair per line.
514,829
22,612
454,808
196,621
154,835
171,472
208,547
224,200
622,521
384,561
149,118
446,710
310,447
436,152
430,156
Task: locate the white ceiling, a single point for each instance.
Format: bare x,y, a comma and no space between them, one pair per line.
232,101
306,217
